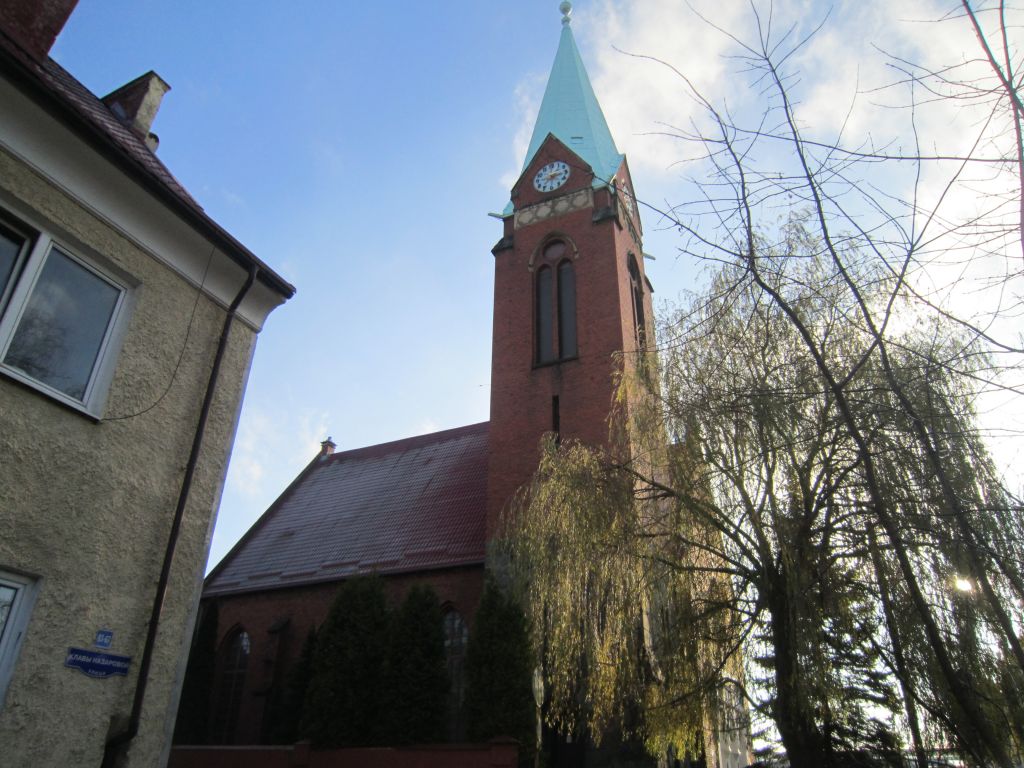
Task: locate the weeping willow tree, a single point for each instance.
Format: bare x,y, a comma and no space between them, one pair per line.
771,534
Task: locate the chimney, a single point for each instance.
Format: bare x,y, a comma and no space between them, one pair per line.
35,24
137,103
327,447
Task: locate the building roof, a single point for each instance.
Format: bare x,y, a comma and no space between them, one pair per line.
57,91
571,113
410,505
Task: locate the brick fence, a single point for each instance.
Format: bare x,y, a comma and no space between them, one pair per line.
496,754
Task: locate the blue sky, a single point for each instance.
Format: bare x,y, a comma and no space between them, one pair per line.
357,148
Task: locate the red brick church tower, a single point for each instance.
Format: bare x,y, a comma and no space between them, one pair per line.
569,287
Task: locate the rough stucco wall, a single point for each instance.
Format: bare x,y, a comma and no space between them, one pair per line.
87,506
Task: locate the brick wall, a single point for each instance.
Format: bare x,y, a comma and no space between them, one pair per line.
278,622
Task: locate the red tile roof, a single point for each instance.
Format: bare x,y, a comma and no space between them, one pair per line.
410,505
57,91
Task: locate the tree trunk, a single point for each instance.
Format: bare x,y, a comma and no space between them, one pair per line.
804,742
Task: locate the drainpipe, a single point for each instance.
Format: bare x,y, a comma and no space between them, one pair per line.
117,745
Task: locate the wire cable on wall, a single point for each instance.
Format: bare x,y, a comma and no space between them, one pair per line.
184,346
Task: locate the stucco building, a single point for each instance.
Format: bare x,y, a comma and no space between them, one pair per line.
128,320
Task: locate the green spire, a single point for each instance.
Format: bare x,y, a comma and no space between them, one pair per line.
570,111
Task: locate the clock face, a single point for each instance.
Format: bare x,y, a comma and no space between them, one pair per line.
628,199
551,176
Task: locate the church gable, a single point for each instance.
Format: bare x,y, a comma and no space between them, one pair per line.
410,505
556,182
554,170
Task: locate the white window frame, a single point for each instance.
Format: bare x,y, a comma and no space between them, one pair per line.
17,622
39,247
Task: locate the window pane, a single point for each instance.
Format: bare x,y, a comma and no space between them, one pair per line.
638,308
566,310
639,321
456,637
65,321
231,686
10,246
545,342
456,634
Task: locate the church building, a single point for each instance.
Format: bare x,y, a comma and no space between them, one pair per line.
571,303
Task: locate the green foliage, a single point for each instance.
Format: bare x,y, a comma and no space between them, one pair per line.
347,703
192,726
417,679
579,558
499,672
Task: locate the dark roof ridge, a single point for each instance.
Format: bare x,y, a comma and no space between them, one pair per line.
318,577
405,443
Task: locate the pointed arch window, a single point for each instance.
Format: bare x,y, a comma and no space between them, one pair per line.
234,664
639,318
566,310
456,637
545,324
555,305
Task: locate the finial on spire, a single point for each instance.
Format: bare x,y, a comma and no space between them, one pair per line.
566,9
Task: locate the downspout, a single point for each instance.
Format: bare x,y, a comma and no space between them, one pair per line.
117,745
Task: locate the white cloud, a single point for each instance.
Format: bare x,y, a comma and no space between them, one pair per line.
270,447
329,156
233,199
427,425
839,90
639,52
630,50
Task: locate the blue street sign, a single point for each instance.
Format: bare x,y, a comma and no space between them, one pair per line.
96,664
104,638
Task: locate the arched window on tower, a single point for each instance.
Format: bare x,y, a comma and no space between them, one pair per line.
545,324
456,637
555,305
566,310
232,667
